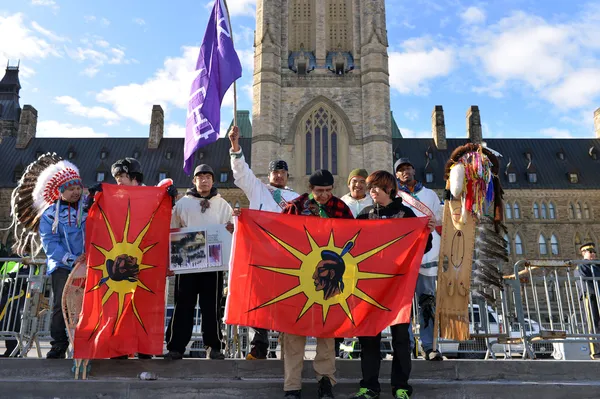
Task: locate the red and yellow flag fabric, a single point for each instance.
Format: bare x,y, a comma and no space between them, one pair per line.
127,238
323,277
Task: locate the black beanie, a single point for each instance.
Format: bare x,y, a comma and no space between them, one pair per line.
321,177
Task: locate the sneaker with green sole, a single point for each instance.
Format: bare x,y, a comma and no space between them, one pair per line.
365,393
401,394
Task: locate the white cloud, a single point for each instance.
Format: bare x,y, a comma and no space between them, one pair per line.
24,43
43,2
47,3
105,21
421,61
102,43
576,89
556,61
89,18
411,134
473,15
170,85
174,130
53,128
139,21
556,133
49,34
75,107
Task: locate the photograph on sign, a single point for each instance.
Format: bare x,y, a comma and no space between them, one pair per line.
203,249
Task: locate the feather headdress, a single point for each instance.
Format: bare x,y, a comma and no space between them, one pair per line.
39,187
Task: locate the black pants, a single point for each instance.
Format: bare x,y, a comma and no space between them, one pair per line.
207,289
261,340
370,359
58,328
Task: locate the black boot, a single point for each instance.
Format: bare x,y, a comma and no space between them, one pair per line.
293,394
57,352
325,389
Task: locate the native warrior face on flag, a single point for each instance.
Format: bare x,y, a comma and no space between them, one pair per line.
323,277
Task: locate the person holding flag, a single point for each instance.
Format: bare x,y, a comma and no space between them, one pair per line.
272,197
319,202
386,205
218,67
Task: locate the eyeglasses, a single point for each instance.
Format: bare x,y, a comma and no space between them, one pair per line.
592,251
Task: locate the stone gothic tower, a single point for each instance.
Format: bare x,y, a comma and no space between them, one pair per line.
321,95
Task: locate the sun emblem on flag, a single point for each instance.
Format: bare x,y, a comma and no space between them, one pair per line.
328,275
121,268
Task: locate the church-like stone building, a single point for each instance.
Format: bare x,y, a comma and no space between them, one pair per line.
321,99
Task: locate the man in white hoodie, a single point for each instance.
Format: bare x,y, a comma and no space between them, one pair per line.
272,197
357,199
202,205
423,202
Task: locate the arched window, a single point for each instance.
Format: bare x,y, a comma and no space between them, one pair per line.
543,213
508,211
536,211
577,241
551,211
578,210
542,245
518,245
554,245
571,211
508,249
586,211
237,204
321,130
516,211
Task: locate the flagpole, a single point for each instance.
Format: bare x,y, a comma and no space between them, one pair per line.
234,82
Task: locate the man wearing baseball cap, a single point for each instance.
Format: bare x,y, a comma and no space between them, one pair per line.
202,205
423,202
271,197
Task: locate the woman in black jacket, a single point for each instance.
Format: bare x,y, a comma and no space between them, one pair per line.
383,190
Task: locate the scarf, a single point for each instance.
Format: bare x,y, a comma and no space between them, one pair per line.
416,188
322,211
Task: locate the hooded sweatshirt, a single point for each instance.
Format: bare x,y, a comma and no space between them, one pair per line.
188,211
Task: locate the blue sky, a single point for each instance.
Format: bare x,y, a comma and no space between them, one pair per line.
96,68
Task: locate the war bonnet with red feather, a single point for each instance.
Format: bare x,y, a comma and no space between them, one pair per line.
39,187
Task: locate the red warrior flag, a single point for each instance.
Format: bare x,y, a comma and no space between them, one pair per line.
323,277
127,238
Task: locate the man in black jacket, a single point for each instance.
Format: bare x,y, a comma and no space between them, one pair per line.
588,289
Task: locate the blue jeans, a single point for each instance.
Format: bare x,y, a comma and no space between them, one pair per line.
425,290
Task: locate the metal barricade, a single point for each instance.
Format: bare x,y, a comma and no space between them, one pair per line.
554,304
24,310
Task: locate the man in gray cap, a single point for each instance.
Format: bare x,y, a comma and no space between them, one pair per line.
272,197
423,202
202,205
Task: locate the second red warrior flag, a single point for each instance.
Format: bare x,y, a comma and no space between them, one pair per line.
127,247
323,277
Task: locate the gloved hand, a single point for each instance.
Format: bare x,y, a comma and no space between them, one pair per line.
172,191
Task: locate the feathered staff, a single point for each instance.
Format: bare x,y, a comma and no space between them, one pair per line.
472,233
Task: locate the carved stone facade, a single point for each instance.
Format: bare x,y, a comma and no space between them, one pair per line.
348,87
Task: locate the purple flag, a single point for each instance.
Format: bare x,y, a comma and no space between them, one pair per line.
218,66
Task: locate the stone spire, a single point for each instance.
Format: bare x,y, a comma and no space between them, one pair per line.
27,126
438,128
474,132
157,127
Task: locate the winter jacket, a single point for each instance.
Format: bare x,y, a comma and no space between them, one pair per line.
356,206
394,210
188,210
261,195
68,242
